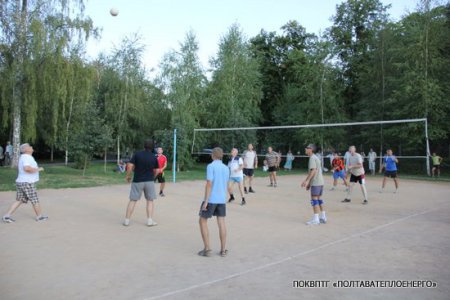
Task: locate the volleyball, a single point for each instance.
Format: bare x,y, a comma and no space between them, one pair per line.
114,12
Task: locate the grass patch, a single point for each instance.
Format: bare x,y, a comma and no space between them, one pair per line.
58,176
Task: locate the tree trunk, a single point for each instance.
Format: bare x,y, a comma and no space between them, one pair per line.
85,165
118,149
66,159
105,159
21,41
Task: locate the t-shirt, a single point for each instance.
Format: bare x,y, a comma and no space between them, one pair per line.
9,149
272,159
338,164
234,164
372,156
162,160
144,163
390,163
347,157
218,174
354,160
436,160
23,176
314,163
249,159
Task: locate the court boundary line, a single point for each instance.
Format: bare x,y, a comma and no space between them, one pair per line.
291,257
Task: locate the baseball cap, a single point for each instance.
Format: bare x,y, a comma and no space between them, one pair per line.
311,146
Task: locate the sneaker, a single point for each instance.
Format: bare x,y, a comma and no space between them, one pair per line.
245,190
365,201
323,221
332,189
346,200
161,194
231,199
275,185
126,222
150,222
243,201
41,218
313,222
251,190
271,184
7,219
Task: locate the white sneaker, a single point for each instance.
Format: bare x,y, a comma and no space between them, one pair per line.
126,222
313,222
323,220
150,222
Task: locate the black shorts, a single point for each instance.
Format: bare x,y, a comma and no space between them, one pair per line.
272,169
248,172
392,174
360,179
438,167
160,178
213,209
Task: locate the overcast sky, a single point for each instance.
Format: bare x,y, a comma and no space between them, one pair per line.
163,24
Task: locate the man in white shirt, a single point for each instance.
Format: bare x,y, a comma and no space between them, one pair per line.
236,165
28,175
372,159
250,164
356,170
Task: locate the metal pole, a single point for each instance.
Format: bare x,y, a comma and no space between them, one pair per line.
174,165
428,148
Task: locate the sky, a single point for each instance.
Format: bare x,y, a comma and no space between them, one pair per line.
163,24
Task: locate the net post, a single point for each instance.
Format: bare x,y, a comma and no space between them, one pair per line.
174,164
427,155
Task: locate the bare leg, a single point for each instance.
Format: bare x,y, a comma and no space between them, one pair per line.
161,187
37,209
149,209
222,233
240,189
205,232
396,183
13,207
250,179
384,182
130,209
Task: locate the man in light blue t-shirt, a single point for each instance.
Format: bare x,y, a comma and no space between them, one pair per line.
217,175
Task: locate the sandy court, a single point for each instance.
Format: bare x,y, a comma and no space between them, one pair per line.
83,251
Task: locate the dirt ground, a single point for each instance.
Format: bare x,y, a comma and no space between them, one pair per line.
84,252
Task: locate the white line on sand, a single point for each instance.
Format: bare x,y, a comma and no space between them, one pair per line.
326,245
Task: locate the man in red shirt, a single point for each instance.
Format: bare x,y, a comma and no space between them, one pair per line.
338,170
162,162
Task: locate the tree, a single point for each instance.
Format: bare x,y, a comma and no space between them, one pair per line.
234,93
183,82
30,31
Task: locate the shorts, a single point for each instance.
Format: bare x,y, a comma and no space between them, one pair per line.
26,192
272,169
438,167
248,172
148,187
392,174
235,179
339,174
361,179
316,190
213,209
160,178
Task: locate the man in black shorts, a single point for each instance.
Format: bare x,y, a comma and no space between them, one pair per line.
217,176
250,164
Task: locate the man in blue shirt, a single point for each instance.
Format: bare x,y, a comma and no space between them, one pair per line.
217,175
390,169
